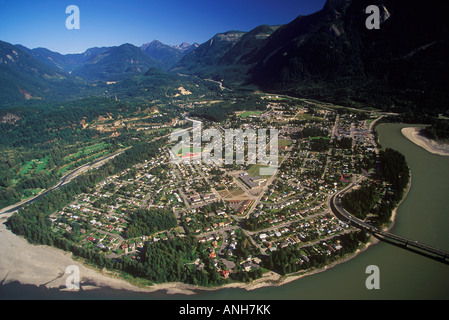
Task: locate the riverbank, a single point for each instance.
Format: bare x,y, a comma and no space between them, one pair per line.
45,266
415,136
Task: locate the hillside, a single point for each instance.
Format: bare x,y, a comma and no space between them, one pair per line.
167,55
332,56
116,63
24,78
329,55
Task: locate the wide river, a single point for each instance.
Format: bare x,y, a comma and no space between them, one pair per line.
423,216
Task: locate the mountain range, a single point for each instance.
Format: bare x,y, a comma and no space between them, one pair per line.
167,55
113,63
329,55
41,74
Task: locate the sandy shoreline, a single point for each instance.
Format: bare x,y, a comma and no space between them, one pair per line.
413,134
41,265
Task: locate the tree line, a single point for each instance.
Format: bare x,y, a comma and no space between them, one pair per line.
287,260
395,174
148,221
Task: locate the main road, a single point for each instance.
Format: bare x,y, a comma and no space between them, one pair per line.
63,181
342,214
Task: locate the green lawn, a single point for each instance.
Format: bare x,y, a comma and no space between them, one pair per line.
284,143
316,138
254,170
88,150
35,165
192,150
250,113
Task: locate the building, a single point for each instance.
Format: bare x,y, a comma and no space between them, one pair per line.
252,182
194,199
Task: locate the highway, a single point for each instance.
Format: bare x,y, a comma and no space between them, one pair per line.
343,215
63,181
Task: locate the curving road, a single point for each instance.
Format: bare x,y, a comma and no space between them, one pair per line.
64,180
343,215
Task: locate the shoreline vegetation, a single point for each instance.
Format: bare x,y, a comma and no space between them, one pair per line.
42,265
414,134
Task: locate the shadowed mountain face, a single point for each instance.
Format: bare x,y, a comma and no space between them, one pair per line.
225,56
23,78
332,55
116,63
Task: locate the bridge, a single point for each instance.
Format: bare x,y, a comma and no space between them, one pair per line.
419,247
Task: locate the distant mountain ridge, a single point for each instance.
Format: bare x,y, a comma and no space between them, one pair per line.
113,63
167,55
332,56
23,77
329,55
63,62
116,63
125,71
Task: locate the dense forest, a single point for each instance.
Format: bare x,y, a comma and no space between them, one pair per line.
313,132
319,144
293,259
370,199
47,140
361,201
150,221
343,143
438,130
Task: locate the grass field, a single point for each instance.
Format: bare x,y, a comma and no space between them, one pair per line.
192,150
250,113
87,150
35,165
308,117
284,143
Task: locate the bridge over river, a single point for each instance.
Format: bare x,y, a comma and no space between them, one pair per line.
342,214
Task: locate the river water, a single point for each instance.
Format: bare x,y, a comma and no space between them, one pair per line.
423,216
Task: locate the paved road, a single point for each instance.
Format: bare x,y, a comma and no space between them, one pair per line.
64,180
340,212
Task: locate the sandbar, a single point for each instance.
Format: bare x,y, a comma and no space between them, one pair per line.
432,146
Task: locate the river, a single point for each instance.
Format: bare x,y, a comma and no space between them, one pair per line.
423,216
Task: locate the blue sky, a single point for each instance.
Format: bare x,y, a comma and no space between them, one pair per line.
41,23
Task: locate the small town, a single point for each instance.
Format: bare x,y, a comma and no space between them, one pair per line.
232,209
224,151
